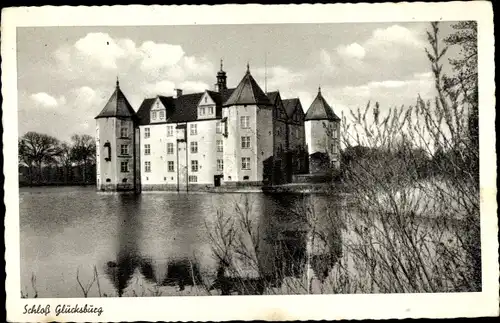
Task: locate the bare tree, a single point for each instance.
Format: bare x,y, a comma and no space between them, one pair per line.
83,152
36,149
414,230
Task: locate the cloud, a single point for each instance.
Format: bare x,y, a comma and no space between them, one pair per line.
103,56
193,86
325,57
389,93
394,34
101,49
46,100
392,53
353,50
155,56
278,78
163,87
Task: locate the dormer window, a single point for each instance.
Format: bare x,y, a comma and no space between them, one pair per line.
153,115
202,111
162,115
210,110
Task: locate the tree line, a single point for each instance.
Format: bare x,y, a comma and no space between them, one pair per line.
44,159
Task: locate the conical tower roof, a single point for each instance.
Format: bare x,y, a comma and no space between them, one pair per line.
248,92
117,106
320,110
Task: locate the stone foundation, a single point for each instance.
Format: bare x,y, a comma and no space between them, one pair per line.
122,187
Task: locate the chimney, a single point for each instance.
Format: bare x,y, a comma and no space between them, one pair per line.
178,93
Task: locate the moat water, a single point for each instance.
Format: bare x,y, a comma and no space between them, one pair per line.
136,242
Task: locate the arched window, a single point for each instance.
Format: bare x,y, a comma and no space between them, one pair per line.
107,151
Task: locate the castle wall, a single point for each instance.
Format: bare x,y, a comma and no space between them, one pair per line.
110,174
206,154
233,153
324,136
265,145
180,155
156,173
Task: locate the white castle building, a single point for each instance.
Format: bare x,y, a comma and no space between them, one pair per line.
228,137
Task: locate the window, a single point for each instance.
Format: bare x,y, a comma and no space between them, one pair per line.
170,148
147,149
124,132
124,149
153,115
194,165
194,129
124,166
245,142
194,147
193,178
162,115
245,178
219,128
220,164
245,163
170,166
147,166
210,110
296,133
147,133
220,146
202,111
244,122
170,131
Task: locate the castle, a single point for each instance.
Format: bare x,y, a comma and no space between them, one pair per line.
228,137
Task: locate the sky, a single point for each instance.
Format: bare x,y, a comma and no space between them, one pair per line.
67,74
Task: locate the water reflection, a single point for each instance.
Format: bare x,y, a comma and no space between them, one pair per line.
121,270
160,240
291,240
298,235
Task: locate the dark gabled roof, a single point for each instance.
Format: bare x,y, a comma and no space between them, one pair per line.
273,96
220,97
320,110
248,92
183,108
143,112
186,108
117,106
291,105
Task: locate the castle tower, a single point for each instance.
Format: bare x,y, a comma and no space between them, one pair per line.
248,142
322,128
117,145
221,85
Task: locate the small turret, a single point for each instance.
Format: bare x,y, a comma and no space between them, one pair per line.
322,128
116,148
221,79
